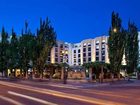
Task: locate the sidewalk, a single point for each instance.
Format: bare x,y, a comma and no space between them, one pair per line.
74,84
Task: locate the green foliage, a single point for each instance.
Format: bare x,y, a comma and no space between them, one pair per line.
132,48
96,66
27,43
116,43
4,45
138,69
46,39
28,50
13,61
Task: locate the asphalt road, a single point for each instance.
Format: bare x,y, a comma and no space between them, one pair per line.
42,93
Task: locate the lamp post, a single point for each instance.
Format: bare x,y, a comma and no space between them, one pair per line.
64,53
102,72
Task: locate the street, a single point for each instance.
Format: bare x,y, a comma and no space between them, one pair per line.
43,93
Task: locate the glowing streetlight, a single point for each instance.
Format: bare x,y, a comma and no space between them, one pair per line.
114,30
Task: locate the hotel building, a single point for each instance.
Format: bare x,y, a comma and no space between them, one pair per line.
88,50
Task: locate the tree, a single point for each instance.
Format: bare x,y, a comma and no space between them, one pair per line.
64,71
132,48
94,68
88,71
4,45
27,43
13,62
116,43
46,39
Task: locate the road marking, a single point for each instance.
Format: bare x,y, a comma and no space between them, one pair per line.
11,100
63,86
104,93
32,98
58,85
62,94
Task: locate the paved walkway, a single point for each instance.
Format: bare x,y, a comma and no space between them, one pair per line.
78,83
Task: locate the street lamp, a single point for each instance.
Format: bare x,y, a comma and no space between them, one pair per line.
114,30
64,53
102,72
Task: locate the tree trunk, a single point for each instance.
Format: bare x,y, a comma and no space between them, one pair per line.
2,74
33,73
51,72
102,74
26,74
42,74
62,73
21,76
112,77
118,76
90,74
5,73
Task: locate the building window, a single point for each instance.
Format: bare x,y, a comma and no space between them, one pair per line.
56,45
79,60
103,41
66,46
89,54
97,53
97,47
75,46
103,52
56,55
74,51
84,59
78,50
84,54
89,59
89,49
84,49
61,46
103,47
79,55
89,44
56,59
49,59
97,58
56,49
74,60
97,42
61,53
74,55
103,58
61,60
84,44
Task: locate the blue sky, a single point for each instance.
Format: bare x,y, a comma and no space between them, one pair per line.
73,20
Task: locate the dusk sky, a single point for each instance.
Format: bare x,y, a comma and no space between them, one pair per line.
73,20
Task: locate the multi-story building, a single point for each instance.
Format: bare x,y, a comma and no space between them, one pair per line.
88,50
56,55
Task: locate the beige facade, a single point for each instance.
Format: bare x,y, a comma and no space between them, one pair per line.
88,50
57,55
